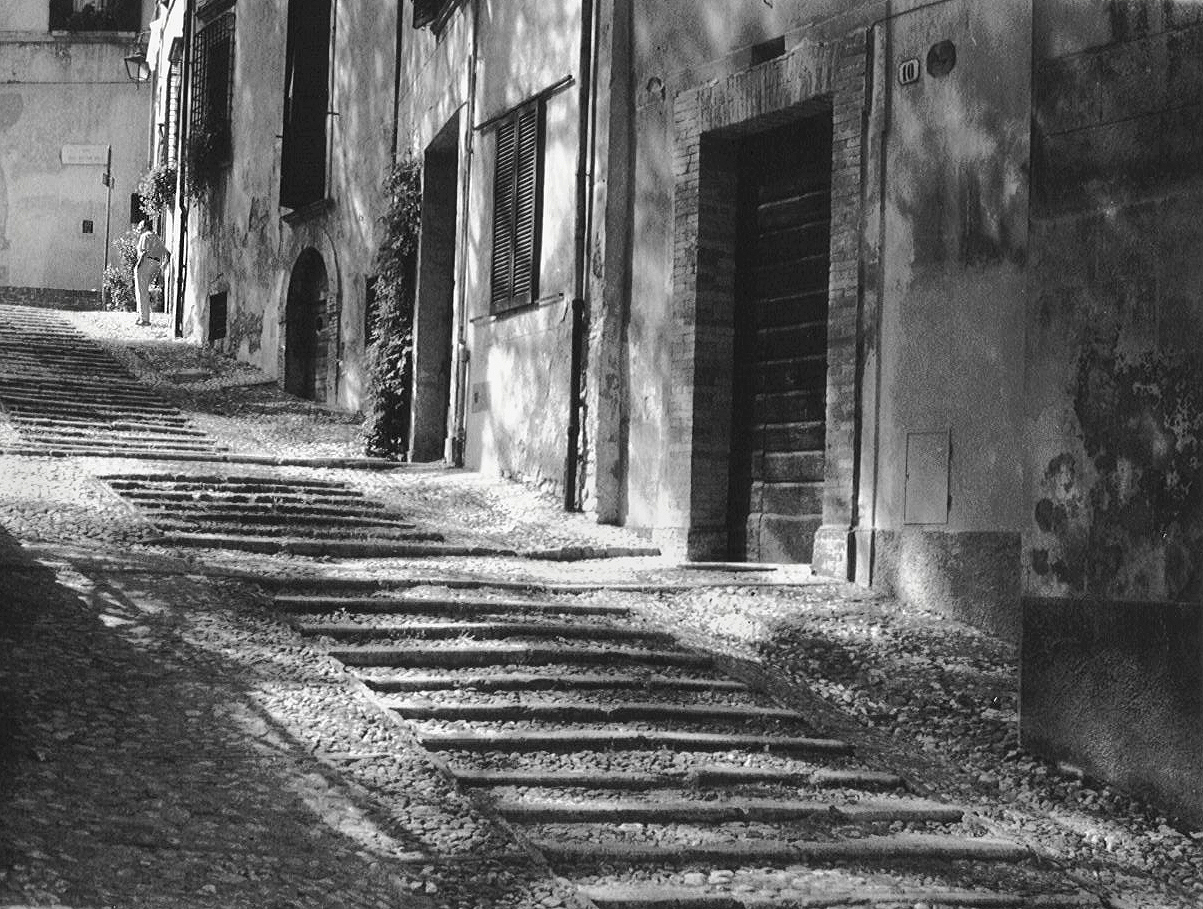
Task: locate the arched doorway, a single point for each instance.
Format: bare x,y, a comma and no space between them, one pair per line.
306,338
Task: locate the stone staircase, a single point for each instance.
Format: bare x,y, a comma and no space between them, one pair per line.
638,769
66,395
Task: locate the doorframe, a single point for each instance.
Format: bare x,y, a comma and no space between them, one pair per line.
694,474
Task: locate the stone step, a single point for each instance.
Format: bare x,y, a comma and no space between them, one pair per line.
585,712
501,653
256,501
529,681
403,605
342,548
257,525
109,425
723,811
488,630
563,779
54,402
586,739
24,408
49,434
902,847
120,441
826,778
667,896
700,778
262,513
73,392
203,482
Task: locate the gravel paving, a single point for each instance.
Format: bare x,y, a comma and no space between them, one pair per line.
174,743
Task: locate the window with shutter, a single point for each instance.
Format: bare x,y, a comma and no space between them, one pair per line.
306,103
517,207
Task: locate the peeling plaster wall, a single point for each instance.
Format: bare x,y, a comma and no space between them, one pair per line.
55,91
1117,308
239,241
1112,652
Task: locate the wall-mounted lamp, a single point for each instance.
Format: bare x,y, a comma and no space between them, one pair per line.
137,67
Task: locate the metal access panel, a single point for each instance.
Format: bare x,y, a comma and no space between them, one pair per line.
927,456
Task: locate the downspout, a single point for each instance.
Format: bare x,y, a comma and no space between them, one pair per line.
400,7
580,257
459,433
181,194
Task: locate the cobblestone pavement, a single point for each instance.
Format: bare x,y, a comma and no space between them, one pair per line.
171,736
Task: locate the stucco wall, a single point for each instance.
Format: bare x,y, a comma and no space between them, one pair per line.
239,240
517,380
1116,311
56,91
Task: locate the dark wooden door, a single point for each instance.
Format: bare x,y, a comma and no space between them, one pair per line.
305,345
780,392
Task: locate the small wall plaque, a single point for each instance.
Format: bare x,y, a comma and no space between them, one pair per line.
909,70
84,154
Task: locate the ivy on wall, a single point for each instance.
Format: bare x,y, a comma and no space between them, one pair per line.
390,355
156,189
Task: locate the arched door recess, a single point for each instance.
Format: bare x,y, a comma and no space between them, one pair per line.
306,338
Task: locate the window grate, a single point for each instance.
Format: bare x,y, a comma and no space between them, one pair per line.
213,83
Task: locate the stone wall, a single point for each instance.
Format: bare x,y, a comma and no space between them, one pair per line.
51,298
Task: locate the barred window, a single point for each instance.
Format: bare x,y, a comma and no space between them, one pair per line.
213,84
306,103
517,207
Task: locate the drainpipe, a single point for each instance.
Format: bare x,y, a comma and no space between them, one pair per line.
459,432
581,255
181,157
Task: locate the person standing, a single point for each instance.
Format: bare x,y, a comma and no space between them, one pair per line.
151,256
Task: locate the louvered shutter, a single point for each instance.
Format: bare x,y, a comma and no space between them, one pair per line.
503,214
526,185
516,207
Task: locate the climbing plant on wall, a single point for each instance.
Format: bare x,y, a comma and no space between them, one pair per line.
390,354
156,189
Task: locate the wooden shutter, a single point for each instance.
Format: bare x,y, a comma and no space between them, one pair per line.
503,214
517,191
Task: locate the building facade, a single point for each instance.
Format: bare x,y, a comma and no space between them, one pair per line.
903,289
73,139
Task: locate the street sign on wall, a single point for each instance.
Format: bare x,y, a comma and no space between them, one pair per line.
84,154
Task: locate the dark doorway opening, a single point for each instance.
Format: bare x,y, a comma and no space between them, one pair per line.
779,388
435,297
307,329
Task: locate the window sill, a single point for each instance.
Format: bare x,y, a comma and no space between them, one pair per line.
518,310
307,212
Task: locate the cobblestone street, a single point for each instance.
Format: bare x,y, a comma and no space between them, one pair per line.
242,665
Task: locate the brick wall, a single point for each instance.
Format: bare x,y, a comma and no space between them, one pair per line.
51,298
707,120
